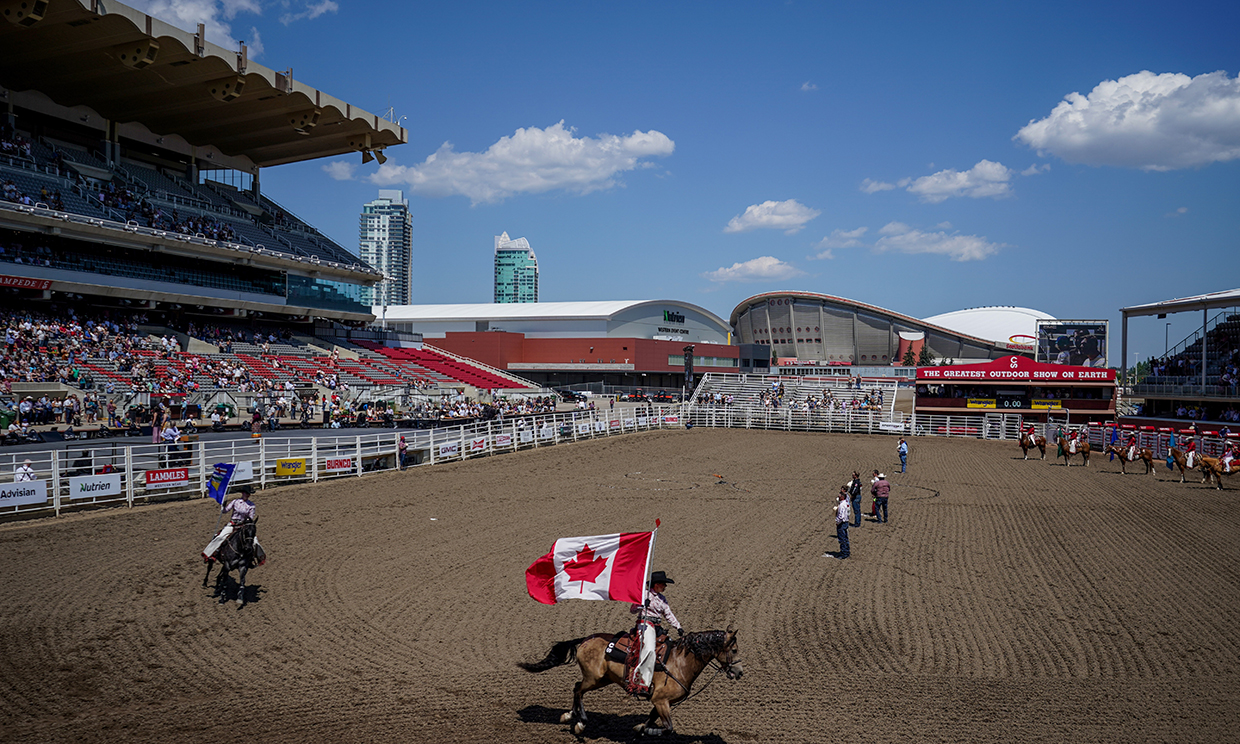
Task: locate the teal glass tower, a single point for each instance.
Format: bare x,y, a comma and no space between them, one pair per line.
516,270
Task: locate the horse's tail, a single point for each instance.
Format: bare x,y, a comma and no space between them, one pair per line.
564,652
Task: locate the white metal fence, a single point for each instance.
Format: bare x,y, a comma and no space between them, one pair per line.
111,474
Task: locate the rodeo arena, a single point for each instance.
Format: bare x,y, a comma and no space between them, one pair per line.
816,515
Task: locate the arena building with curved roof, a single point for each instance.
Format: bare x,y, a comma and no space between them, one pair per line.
813,329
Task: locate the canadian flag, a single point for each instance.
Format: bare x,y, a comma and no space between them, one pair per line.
595,567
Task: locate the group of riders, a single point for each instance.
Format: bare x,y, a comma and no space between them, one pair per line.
1231,450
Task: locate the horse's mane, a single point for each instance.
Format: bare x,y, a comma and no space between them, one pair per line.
704,644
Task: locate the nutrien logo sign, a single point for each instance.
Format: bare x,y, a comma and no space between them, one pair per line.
671,317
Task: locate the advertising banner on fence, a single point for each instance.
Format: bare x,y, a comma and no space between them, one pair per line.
26,493
167,478
95,486
478,444
615,424
600,426
451,449
547,432
244,471
503,440
291,466
630,423
583,427
527,436
338,464
671,419
641,421
1038,404
980,403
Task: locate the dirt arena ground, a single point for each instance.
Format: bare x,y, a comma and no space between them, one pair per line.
1005,601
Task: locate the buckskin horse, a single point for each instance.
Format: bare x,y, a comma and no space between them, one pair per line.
1212,469
240,551
686,658
1082,449
1027,443
1142,454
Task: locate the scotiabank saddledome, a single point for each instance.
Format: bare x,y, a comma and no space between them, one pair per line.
823,329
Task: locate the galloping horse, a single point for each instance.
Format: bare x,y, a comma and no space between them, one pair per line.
686,658
1027,443
1212,469
1082,449
240,551
1142,454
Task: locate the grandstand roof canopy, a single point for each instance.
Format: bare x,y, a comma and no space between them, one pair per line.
601,309
1208,301
127,66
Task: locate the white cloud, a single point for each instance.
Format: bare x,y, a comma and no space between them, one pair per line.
1035,169
1148,121
255,42
341,170
899,237
870,186
789,216
807,86
530,161
987,178
1177,213
839,239
764,268
310,12
216,15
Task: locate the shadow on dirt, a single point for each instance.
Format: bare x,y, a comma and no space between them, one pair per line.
611,727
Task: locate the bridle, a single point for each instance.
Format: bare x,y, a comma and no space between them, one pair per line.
720,667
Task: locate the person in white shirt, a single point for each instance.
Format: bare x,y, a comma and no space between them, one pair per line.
843,513
24,473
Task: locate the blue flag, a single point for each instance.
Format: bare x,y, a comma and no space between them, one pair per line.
1114,439
217,486
1170,459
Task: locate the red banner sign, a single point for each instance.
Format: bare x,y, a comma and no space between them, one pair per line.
21,282
169,478
1016,369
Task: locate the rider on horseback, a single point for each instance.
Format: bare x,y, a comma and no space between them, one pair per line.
1131,444
1229,454
243,510
650,618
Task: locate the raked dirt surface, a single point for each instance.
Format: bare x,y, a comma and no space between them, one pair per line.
1005,601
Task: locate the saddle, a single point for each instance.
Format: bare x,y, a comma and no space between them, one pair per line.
623,643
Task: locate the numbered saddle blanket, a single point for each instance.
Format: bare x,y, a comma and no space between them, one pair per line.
618,649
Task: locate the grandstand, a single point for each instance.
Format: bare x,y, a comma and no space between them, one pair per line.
135,203
1197,381
780,401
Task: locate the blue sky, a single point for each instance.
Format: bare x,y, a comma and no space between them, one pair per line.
921,157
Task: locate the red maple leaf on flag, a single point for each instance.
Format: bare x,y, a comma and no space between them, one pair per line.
585,567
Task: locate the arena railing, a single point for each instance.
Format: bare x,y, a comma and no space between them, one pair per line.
116,474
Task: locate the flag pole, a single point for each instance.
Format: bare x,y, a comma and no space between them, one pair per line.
649,562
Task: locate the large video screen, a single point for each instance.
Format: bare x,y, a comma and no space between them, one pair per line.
1081,343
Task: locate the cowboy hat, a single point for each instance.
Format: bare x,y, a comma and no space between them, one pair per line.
882,476
245,488
658,577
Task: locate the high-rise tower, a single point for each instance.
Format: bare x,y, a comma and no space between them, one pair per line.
516,270
385,242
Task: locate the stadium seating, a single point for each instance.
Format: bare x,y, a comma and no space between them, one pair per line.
758,393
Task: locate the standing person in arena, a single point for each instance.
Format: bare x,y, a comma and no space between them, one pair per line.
841,525
854,498
902,450
881,489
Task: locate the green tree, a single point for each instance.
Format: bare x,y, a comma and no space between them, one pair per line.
909,360
926,358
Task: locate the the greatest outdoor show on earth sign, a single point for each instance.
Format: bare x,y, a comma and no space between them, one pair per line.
1014,369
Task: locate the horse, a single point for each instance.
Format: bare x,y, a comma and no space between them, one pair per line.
686,658
1082,449
1212,469
1027,443
1142,454
1180,459
240,551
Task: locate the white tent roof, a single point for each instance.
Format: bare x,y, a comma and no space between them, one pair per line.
993,323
